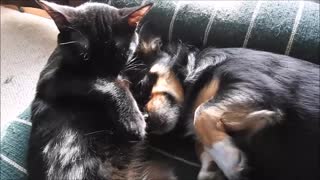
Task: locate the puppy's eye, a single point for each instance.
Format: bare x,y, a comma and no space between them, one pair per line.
148,81
169,97
152,78
145,86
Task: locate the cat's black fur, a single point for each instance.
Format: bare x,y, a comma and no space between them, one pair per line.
86,123
285,151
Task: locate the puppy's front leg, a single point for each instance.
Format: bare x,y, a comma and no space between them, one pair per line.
212,134
214,120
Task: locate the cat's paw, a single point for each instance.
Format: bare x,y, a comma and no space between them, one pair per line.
136,128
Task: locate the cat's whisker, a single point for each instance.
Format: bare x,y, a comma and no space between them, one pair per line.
66,43
135,65
96,132
131,61
132,68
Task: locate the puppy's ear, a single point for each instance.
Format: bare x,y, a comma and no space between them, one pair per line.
135,14
59,13
150,40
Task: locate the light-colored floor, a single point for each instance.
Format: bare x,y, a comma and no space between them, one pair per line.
26,43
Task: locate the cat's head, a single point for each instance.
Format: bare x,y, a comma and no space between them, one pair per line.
94,45
96,35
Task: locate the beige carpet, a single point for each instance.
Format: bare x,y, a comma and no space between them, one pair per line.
26,43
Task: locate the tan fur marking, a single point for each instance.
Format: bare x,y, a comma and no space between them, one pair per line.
147,47
208,126
207,93
213,124
245,118
167,82
157,101
234,118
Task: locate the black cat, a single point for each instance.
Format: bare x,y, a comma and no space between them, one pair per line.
86,123
254,114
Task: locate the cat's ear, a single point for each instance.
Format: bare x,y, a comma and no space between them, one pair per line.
59,13
135,14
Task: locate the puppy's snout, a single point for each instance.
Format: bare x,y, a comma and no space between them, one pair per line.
161,116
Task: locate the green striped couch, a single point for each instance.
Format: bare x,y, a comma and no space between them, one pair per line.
285,27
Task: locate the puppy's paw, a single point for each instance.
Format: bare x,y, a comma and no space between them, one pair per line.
230,159
211,175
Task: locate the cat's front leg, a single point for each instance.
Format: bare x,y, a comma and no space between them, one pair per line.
118,100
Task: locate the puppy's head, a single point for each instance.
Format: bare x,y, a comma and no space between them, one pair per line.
157,75
165,98
161,91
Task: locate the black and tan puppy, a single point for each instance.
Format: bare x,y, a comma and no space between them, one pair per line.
159,87
272,98
248,109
